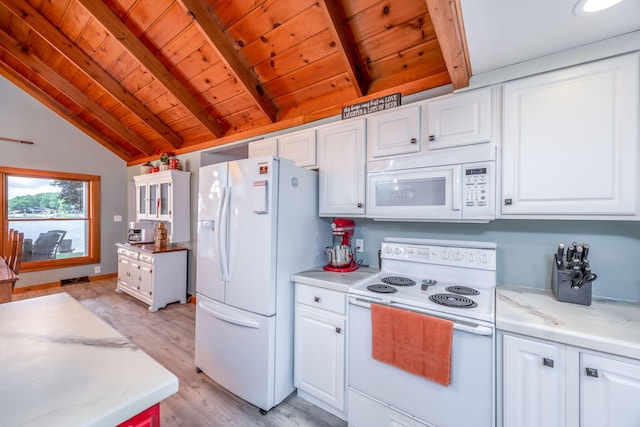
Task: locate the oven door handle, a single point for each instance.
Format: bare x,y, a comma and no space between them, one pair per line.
461,325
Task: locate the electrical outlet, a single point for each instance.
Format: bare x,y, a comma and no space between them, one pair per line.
96,269
117,218
359,245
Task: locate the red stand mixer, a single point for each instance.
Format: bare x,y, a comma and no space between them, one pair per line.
340,257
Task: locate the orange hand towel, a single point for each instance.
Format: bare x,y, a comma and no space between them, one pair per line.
414,342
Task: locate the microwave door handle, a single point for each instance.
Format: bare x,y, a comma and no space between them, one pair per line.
455,191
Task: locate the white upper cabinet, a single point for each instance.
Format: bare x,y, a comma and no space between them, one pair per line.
265,147
570,142
394,132
299,147
341,163
459,119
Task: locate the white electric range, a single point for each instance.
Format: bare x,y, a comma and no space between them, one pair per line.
453,280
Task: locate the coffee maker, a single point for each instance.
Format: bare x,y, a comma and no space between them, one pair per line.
340,257
141,232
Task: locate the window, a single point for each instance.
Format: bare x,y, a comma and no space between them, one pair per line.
59,214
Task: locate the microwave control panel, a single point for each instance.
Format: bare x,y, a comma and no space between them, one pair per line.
478,184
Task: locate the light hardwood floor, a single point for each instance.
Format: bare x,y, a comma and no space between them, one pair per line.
168,337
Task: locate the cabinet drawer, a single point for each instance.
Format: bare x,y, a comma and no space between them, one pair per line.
321,298
128,253
148,258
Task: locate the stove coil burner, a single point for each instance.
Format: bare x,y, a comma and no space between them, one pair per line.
382,289
461,290
397,281
451,300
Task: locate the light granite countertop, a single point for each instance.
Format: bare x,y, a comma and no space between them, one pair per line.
608,326
333,280
61,365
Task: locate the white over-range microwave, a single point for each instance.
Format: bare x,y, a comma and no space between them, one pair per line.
432,188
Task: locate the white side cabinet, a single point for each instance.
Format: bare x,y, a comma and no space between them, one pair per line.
319,347
155,278
551,384
458,119
394,132
341,163
570,142
165,196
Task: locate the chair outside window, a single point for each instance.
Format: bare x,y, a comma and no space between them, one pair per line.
47,245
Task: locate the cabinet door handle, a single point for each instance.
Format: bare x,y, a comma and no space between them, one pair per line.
359,205
508,202
547,362
591,372
432,138
316,299
413,140
338,330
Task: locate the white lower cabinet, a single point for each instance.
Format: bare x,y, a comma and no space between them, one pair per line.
533,386
319,347
156,279
610,391
546,383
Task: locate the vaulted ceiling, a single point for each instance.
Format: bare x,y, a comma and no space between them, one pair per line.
146,76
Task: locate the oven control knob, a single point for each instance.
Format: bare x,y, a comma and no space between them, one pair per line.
484,259
471,257
444,255
397,251
387,250
457,256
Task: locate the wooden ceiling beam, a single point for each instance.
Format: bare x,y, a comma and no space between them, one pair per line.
341,33
23,54
447,22
110,21
202,16
61,110
24,11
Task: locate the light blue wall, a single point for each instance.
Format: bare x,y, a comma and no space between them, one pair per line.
526,248
59,146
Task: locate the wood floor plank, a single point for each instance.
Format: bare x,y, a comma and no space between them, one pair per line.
168,336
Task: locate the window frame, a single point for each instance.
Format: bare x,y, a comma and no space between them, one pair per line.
92,210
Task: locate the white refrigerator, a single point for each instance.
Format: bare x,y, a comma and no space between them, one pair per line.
257,224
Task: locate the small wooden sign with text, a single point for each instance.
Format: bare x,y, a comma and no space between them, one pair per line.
372,106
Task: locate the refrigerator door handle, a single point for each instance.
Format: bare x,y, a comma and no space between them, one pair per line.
245,322
218,233
224,245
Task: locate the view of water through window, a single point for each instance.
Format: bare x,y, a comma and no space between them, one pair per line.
52,215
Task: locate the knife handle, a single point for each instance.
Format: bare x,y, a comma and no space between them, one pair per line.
560,256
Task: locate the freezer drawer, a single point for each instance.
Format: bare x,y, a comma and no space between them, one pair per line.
236,348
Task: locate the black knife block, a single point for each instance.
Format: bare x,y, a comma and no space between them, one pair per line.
561,286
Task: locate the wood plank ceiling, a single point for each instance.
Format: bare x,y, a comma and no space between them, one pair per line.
146,76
